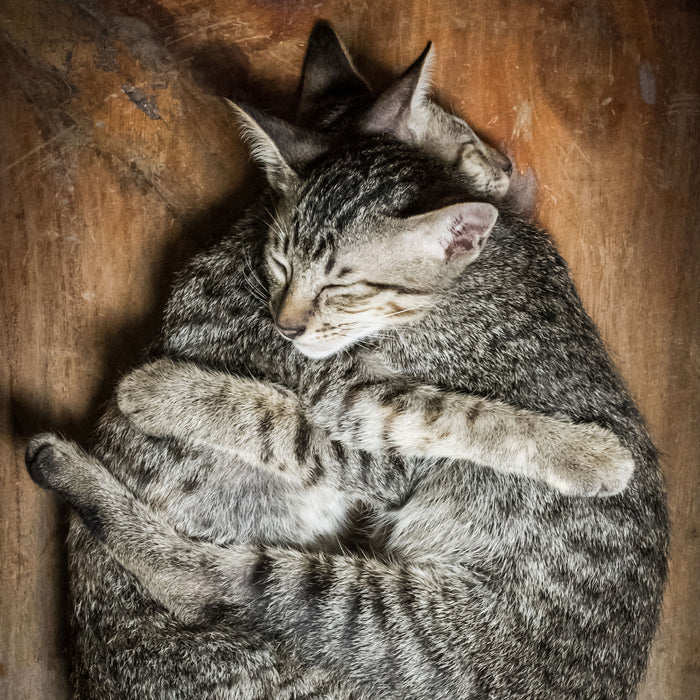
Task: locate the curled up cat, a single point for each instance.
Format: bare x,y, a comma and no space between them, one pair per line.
374,334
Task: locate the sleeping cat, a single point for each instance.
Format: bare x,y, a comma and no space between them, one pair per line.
514,332
325,295
125,644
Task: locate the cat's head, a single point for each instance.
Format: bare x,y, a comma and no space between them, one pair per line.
335,97
365,237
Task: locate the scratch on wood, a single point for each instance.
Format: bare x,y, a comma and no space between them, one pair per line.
146,104
683,103
522,129
60,135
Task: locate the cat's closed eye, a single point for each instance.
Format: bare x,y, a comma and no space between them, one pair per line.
280,267
335,289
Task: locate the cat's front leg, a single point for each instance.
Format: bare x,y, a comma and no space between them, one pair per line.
261,423
422,421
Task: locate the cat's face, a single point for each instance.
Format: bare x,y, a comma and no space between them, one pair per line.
344,261
452,140
328,302
343,266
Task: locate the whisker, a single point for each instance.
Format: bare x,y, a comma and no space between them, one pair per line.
276,227
255,293
255,285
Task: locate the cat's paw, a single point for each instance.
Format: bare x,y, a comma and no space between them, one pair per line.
55,464
593,463
152,396
40,460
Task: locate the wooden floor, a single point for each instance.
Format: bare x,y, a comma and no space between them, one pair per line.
118,160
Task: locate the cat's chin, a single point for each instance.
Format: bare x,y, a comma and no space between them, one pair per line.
319,351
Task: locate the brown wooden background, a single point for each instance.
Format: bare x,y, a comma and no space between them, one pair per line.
115,148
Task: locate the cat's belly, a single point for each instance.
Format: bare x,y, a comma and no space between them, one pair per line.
464,513
241,503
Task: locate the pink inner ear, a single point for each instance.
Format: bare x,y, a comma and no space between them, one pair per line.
466,236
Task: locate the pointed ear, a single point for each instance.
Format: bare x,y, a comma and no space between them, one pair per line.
455,234
391,112
282,149
329,74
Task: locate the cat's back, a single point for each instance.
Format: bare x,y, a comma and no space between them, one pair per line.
577,582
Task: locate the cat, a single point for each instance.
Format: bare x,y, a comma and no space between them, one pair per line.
518,266
124,643
335,98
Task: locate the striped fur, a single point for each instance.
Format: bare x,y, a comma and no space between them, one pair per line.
480,583
270,427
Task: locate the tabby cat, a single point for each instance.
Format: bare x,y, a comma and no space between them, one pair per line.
482,582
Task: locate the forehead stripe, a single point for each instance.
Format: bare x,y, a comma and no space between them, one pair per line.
330,264
320,249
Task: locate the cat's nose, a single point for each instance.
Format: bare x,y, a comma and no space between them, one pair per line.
290,332
507,166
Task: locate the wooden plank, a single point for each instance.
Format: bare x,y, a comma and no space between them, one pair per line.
115,149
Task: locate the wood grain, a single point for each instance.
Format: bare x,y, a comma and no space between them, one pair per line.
118,160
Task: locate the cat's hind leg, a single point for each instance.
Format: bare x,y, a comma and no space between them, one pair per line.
387,627
177,570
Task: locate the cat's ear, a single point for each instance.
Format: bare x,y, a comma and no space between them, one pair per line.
403,101
328,73
281,149
455,234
